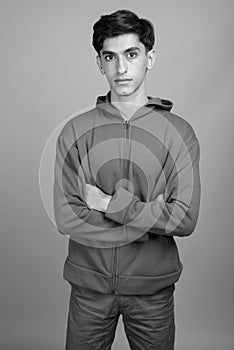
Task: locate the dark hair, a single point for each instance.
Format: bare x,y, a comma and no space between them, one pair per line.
122,22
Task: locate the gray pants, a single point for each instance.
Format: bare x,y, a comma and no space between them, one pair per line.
93,317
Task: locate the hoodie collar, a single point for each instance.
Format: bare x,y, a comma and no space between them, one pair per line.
104,103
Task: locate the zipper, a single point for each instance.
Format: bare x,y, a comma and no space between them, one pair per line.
114,271
126,125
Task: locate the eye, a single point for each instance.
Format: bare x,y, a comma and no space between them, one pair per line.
132,54
109,58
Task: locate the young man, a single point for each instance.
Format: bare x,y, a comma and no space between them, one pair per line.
126,182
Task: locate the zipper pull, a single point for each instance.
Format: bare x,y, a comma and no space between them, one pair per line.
126,124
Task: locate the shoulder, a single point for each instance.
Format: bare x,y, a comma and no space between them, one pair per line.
78,124
180,125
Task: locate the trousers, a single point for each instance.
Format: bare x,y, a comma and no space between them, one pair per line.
148,320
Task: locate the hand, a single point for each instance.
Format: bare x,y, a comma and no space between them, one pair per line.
161,198
96,199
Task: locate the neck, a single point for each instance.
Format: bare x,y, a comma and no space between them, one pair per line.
128,105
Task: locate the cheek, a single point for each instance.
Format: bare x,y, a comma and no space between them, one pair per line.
140,64
109,71
140,70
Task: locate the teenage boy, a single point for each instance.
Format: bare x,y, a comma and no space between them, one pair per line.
126,182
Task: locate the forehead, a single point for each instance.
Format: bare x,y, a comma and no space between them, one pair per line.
121,43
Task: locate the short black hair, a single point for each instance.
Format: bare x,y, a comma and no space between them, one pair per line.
123,22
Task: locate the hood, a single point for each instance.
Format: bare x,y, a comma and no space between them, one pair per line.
157,102
104,102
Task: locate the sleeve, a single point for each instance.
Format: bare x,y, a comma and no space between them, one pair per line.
72,216
176,216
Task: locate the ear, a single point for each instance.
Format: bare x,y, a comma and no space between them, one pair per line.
150,59
99,63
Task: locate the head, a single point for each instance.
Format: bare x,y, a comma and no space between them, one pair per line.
124,44
123,22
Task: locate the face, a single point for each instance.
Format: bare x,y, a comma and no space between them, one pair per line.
124,61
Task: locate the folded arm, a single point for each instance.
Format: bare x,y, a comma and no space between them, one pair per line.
176,214
72,215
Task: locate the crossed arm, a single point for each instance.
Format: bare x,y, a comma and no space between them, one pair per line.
98,200
83,211
173,213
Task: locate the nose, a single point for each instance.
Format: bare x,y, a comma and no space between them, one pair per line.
122,66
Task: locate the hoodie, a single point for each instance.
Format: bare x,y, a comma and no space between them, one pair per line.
131,248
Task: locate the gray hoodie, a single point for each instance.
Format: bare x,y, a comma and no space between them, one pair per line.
130,249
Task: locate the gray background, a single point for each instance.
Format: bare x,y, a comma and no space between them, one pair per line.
48,72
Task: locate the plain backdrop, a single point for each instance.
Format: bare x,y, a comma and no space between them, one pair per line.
48,73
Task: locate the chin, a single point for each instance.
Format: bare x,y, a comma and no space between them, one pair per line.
124,92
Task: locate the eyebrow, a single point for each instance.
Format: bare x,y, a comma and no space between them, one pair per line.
134,48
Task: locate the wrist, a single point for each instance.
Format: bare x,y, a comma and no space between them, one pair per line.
106,202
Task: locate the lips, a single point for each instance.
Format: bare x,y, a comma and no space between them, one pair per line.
122,81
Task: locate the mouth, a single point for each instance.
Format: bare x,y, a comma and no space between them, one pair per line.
122,81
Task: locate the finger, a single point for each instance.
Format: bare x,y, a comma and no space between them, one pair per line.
160,198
